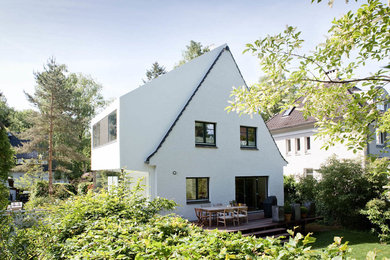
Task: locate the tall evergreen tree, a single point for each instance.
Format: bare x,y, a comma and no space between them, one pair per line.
54,126
154,72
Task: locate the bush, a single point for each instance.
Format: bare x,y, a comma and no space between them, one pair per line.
122,225
84,187
378,212
290,188
60,190
343,192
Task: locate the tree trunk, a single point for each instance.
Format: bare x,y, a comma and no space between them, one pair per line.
51,146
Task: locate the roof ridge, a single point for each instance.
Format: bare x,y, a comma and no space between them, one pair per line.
224,47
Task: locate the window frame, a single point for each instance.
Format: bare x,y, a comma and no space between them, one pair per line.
381,138
298,147
247,146
204,143
197,200
307,144
288,146
101,131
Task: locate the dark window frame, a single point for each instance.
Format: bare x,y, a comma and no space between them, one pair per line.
101,131
197,200
298,145
247,137
204,143
308,143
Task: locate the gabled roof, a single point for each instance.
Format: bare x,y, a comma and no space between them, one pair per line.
156,106
16,143
290,118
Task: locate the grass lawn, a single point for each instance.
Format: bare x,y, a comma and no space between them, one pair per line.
361,242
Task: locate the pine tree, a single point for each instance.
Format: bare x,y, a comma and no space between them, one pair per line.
155,71
54,125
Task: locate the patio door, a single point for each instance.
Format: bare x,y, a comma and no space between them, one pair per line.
252,191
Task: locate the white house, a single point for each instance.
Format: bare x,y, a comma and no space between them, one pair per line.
174,131
295,137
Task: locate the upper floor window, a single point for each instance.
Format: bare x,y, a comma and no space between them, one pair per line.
381,137
105,130
307,144
248,136
297,145
205,133
288,146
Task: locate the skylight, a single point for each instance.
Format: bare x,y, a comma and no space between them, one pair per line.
288,111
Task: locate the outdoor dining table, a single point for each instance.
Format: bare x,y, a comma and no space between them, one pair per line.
215,209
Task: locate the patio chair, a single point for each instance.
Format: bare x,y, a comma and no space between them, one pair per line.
201,216
227,214
242,213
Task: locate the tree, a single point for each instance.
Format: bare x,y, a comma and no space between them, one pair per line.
155,71
66,104
20,120
195,49
6,152
354,40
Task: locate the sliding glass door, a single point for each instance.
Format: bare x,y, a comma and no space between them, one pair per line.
252,191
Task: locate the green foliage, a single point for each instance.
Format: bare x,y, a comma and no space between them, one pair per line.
21,120
378,212
155,71
303,190
343,191
354,40
15,241
60,190
6,155
290,189
195,49
84,187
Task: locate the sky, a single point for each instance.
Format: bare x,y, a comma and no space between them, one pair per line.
116,41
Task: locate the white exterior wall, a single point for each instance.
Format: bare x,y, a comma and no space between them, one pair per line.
106,157
221,164
314,158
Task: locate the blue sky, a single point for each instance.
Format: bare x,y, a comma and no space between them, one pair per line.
115,42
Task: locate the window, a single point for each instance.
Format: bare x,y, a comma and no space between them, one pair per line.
248,136
105,130
307,144
288,112
297,145
308,172
96,134
381,137
288,146
205,133
112,126
197,190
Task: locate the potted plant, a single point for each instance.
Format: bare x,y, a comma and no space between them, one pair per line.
287,212
304,212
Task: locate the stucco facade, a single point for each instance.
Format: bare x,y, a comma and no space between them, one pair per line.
156,135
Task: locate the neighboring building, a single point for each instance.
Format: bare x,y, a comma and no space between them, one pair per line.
31,156
175,133
295,137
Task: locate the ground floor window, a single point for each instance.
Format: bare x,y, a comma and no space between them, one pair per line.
252,191
197,189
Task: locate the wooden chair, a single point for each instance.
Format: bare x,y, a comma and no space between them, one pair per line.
242,213
227,214
201,216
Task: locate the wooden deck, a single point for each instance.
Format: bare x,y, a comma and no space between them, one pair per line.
265,227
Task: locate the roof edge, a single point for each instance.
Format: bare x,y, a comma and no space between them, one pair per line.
185,106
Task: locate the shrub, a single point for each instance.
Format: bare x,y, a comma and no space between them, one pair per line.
306,189
343,192
378,212
83,187
290,188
